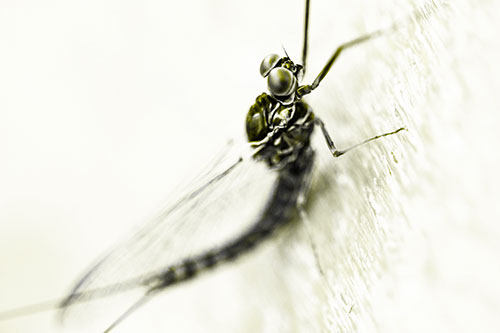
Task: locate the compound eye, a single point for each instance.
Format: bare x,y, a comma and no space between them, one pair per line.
268,64
281,82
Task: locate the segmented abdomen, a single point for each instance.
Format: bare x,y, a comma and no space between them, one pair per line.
291,183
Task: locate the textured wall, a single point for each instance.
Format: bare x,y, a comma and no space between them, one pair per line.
413,241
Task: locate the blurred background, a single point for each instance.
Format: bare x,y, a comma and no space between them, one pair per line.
106,106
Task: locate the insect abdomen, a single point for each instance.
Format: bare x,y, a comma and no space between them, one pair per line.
279,211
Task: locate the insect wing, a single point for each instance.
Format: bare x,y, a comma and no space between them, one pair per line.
227,200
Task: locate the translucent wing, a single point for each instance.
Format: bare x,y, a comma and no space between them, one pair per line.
224,203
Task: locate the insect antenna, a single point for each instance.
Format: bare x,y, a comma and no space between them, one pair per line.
284,50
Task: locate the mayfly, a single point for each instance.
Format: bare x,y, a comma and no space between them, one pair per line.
279,126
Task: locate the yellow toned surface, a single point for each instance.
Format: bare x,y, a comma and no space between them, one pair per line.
105,106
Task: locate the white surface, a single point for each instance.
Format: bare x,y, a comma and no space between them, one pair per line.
105,106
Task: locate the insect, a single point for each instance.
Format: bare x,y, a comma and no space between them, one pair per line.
279,126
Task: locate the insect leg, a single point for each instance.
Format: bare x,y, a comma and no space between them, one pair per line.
417,14
336,152
303,216
305,219
306,30
308,88
301,210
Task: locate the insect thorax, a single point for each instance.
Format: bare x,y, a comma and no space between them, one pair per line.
282,129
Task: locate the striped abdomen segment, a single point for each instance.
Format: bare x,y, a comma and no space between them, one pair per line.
291,183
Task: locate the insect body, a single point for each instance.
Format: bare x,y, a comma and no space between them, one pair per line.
279,127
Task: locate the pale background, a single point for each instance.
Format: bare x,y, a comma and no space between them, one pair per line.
106,105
